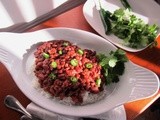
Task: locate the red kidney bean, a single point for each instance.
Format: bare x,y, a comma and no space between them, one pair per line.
57,81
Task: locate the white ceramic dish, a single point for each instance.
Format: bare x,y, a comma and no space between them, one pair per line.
149,12
26,10
16,52
117,113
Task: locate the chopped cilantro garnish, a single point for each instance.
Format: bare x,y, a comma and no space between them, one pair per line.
134,32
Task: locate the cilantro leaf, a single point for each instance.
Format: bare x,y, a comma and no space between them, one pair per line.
134,32
112,65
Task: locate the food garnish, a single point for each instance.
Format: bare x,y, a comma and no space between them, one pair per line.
45,55
113,65
134,32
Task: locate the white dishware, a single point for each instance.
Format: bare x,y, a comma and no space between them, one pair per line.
16,53
24,26
148,11
26,10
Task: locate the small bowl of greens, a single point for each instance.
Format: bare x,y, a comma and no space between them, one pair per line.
124,23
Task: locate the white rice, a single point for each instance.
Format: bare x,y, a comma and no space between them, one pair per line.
88,98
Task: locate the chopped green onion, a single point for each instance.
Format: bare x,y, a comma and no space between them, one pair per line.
65,43
54,64
74,62
89,65
80,51
45,55
73,79
98,82
60,52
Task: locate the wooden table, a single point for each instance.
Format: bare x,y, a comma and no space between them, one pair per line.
149,58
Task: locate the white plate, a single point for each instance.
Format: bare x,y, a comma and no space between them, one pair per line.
15,12
148,11
117,113
136,83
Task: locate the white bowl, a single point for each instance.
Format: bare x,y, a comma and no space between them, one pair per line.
141,10
16,52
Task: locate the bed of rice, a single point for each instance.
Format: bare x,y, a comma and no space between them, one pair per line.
88,98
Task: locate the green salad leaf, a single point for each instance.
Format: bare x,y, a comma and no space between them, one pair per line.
113,65
134,32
